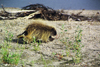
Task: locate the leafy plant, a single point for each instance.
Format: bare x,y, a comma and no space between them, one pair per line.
10,58
77,45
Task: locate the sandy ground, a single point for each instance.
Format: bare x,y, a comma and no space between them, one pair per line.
90,40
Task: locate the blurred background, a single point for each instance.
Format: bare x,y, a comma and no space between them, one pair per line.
55,4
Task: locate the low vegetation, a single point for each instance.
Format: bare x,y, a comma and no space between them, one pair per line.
14,57
8,56
73,46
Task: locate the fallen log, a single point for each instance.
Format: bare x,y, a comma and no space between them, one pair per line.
15,14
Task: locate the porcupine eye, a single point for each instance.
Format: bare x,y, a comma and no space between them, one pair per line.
25,33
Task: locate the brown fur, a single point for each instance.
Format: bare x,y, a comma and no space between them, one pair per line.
38,30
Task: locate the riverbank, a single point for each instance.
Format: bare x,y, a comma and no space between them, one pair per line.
46,53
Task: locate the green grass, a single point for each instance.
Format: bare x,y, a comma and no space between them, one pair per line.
9,57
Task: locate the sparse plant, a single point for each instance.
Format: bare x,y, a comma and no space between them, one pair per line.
44,61
36,47
8,36
75,45
22,63
9,57
32,62
36,44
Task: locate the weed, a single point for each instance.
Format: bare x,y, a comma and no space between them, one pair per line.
75,45
45,64
32,63
36,45
9,57
8,39
22,63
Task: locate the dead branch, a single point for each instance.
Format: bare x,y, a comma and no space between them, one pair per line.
14,14
4,9
32,15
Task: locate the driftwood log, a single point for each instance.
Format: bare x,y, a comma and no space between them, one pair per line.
14,14
35,11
